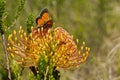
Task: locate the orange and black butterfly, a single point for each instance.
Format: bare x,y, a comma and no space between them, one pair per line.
43,21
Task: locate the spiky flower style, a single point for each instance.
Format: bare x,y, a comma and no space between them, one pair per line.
56,45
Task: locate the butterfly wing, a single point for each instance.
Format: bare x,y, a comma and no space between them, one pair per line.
47,26
43,18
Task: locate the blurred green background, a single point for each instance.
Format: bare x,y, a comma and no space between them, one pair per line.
97,22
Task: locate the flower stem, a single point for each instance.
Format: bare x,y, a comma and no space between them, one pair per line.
6,56
45,77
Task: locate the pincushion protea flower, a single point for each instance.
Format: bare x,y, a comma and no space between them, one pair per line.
56,45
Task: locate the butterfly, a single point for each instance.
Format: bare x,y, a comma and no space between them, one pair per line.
43,21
